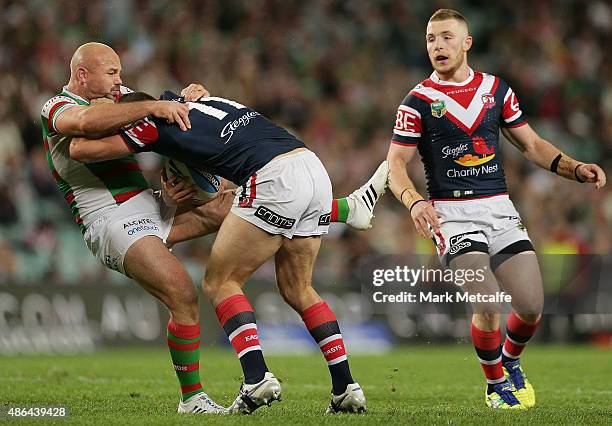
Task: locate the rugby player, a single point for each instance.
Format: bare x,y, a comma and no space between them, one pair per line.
124,224
282,210
453,119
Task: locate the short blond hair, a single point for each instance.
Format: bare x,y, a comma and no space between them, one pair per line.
444,14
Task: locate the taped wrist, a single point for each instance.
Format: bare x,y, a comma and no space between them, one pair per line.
409,197
566,166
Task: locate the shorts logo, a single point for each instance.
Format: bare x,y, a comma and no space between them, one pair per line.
438,108
274,219
111,262
140,225
457,243
145,221
325,219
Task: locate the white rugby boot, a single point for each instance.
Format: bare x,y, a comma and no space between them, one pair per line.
200,403
251,397
351,401
363,200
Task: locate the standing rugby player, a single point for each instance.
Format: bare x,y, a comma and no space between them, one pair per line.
453,119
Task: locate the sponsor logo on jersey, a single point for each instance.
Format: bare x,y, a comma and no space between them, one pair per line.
488,100
455,151
472,171
484,153
462,193
325,219
438,108
228,131
274,219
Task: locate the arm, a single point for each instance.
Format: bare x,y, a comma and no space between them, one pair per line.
141,136
547,156
422,213
92,150
99,120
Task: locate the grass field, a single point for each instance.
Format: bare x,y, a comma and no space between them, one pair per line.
422,384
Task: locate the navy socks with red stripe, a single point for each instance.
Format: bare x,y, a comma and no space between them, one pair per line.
323,327
238,321
489,351
518,334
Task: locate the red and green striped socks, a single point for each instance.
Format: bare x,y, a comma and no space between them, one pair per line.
184,343
340,210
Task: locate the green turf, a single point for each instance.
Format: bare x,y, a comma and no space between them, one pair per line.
421,384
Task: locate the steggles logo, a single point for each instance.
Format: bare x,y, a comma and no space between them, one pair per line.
458,150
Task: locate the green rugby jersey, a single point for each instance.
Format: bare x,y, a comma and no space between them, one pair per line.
92,189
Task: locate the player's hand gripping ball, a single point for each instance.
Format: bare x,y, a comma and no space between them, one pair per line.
205,183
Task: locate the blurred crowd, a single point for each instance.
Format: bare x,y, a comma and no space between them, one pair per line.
332,71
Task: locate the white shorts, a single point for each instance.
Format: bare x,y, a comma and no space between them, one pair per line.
291,195
491,225
110,236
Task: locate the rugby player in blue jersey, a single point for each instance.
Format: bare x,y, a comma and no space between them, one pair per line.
453,120
282,209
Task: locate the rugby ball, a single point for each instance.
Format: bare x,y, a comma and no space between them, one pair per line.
206,184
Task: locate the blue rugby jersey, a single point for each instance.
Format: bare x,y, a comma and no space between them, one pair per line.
226,138
455,127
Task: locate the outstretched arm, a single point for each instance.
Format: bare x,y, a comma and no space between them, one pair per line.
102,119
422,213
547,156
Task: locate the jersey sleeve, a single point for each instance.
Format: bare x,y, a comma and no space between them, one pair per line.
140,136
512,115
407,130
53,108
168,95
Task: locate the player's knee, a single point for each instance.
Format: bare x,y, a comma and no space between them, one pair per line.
530,318
299,297
183,296
488,316
529,309
210,286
